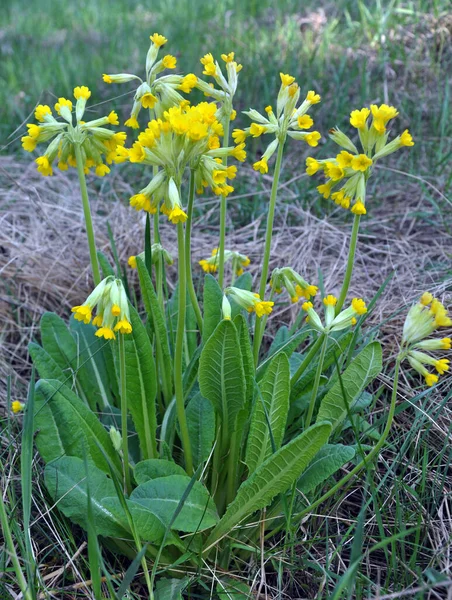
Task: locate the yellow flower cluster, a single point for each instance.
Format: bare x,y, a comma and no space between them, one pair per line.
334,322
288,120
109,299
210,265
97,143
423,319
158,253
295,285
347,173
185,136
250,301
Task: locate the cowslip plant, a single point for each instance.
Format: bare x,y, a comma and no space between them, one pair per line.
187,425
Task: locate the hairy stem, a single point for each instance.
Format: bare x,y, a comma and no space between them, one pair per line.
315,389
87,215
350,263
125,439
191,287
223,206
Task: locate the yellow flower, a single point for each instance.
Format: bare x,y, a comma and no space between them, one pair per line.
361,162
28,143
312,166
113,118
307,305
188,83
239,136
330,300
312,138
442,365
305,122
102,170
383,113
324,189
209,65
44,167
261,166
268,109
431,379
359,306
148,100
17,406
344,159
426,298
286,79
239,153
132,262
312,97
63,102
105,332
62,166
137,153
82,313
257,130
158,39
446,343
358,118
406,138
334,171
123,326
81,91
177,215
34,130
208,267
358,208
107,78
228,57
169,61
379,126
132,122
263,308
41,111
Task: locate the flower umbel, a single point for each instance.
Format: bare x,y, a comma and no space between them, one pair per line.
109,300
210,265
249,301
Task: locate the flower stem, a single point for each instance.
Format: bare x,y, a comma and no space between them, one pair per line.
258,334
87,215
179,350
223,206
307,360
350,263
125,440
191,287
315,389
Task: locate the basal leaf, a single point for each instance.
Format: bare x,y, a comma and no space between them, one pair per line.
212,300
154,468
327,461
273,477
170,589
201,428
66,478
272,402
45,364
162,497
247,357
361,371
66,426
141,384
221,375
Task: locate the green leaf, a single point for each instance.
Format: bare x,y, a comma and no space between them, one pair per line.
334,349
201,428
328,460
247,357
105,265
141,384
66,426
45,365
66,478
157,318
162,497
287,347
231,589
273,477
170,589
93,353
212,300
221,375
148,525
154,468
58,342
271,404
362,370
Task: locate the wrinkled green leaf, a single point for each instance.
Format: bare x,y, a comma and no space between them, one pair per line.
154,468
141,384
65,479
221,375
232,589
66,426
288,348
362,370
201,428
162,497
212,300
170,589
327,461
45,364
273,477
272,403
247,357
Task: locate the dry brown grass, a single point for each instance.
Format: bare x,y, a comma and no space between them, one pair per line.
44,260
